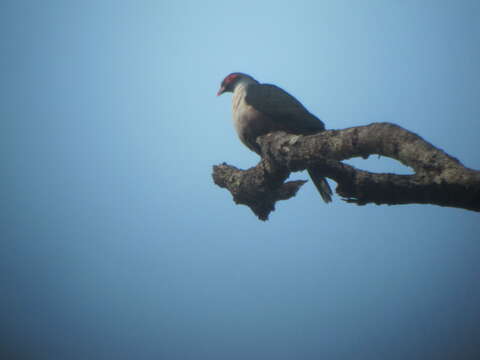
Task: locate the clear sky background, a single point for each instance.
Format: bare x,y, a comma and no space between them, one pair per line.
116,244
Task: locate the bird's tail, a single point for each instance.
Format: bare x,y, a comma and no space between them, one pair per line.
321,184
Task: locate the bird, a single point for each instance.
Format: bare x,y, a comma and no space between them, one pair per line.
259,109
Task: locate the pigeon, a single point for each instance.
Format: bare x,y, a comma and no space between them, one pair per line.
259,109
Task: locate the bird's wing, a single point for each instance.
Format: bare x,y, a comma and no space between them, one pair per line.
282,108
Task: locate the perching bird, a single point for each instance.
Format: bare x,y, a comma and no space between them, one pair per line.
262,108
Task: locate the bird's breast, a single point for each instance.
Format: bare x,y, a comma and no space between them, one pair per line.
249,123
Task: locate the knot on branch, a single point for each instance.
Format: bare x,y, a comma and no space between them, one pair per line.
256,187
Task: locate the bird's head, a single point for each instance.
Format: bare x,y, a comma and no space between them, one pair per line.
232,80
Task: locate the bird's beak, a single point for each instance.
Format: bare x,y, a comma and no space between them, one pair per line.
221,91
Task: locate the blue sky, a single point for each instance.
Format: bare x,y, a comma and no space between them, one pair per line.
116,242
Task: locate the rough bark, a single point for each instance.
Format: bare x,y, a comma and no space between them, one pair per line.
438,178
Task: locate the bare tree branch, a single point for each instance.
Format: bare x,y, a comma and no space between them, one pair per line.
439,179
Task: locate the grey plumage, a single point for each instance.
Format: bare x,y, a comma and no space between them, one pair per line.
262,108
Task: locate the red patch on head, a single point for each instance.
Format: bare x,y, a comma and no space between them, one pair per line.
231,77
